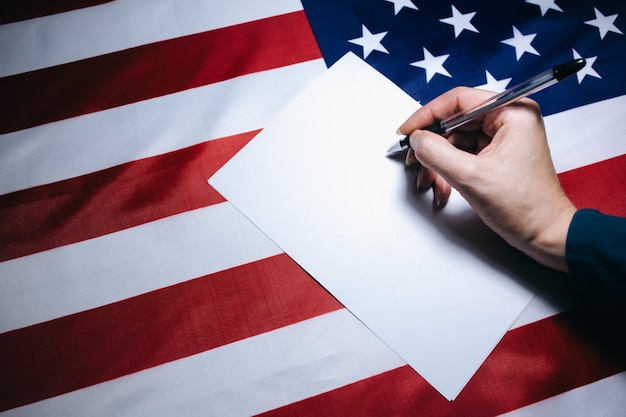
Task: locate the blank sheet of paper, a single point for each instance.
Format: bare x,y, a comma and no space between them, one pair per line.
437,287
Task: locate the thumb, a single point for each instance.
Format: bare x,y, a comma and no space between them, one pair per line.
437,154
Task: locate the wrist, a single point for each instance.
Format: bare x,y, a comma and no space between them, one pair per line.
549,245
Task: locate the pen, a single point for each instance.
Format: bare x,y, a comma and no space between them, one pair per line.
536,83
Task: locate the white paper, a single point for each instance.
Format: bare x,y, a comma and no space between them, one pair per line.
437,287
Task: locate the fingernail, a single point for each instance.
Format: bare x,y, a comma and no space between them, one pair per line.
399,133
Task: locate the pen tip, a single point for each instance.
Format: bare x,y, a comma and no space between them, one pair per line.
399,146
395,148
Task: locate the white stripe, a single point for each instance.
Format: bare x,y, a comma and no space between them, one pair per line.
606,398
84,144
76,277
121,24
240,379
587,134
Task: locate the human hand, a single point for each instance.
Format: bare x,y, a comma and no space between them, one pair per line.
501,164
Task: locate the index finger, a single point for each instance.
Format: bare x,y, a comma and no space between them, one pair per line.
447,104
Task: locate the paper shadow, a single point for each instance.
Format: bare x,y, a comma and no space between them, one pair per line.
467,232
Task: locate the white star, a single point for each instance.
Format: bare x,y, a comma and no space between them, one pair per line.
399,4
370,41
493,84
545,5
460,21
604,23
432,64
587,69
521,43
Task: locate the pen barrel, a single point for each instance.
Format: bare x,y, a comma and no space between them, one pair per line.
537,83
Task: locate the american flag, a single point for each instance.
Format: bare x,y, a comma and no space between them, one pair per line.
128,286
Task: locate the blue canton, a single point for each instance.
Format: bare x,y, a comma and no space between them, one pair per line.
430,46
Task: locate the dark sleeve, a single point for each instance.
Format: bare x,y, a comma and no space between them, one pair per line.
596,255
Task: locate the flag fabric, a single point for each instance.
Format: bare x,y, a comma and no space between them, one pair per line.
128,286
16,10
432,48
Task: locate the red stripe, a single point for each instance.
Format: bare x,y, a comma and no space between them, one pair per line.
30,219
599,186
531,363
16,10
114,199
86,348
153,70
